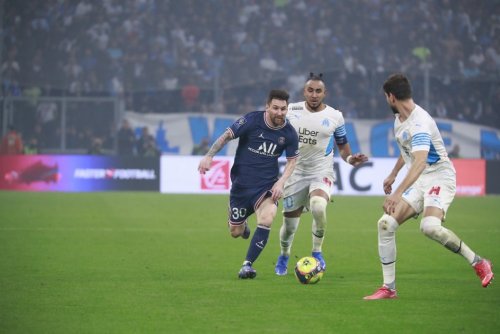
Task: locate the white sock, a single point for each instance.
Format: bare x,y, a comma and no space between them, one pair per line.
317,242
389,272
318,209
467,253
432,228
387,226
287,233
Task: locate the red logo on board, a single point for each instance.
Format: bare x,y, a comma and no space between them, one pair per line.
217,177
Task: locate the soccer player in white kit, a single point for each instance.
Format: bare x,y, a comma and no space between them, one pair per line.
428,187
318,126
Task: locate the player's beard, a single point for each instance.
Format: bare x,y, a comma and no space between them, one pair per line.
394,110
277,120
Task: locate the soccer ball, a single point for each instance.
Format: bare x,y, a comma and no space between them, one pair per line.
308,270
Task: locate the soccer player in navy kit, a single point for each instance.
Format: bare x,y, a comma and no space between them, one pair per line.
256,185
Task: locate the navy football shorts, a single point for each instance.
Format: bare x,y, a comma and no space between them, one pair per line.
244,201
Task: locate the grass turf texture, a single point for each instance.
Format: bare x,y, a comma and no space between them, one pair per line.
150,263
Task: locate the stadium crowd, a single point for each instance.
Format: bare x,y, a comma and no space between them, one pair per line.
222,56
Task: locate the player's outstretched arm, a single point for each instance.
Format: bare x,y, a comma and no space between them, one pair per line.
206,162
352,159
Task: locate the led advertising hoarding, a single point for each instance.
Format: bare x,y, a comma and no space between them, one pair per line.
78,173
179,174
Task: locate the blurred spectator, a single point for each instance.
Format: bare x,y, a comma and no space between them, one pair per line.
159,55
95,146
190,94
11,72
150,149
201,148
268,63
477,57
31,147
72,137
12,142
455,152
247,106
126,139
146,145
441,110
47,112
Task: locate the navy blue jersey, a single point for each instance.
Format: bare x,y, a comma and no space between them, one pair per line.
260,145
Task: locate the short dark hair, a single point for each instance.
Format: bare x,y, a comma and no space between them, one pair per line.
398,85
315,77
278,94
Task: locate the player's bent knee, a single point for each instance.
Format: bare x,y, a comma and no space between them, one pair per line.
318,206
266,217
387,224
431,227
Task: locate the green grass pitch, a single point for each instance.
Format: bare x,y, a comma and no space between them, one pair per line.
153,263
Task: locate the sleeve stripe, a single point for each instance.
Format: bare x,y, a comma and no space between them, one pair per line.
340,131
340,135
420,142
421,139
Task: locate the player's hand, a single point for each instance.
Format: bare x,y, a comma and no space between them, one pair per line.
277,191
388,184
205,164
390,204
358,159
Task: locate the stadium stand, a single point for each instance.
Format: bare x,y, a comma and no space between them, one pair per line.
156,55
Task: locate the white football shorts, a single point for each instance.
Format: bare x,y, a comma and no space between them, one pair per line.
298,188
436,188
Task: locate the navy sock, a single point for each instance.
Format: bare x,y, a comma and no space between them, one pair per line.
258,243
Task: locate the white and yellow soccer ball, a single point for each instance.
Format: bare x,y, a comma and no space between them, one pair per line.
308,270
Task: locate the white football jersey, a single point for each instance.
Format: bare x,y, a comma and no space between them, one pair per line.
317,132
420,132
